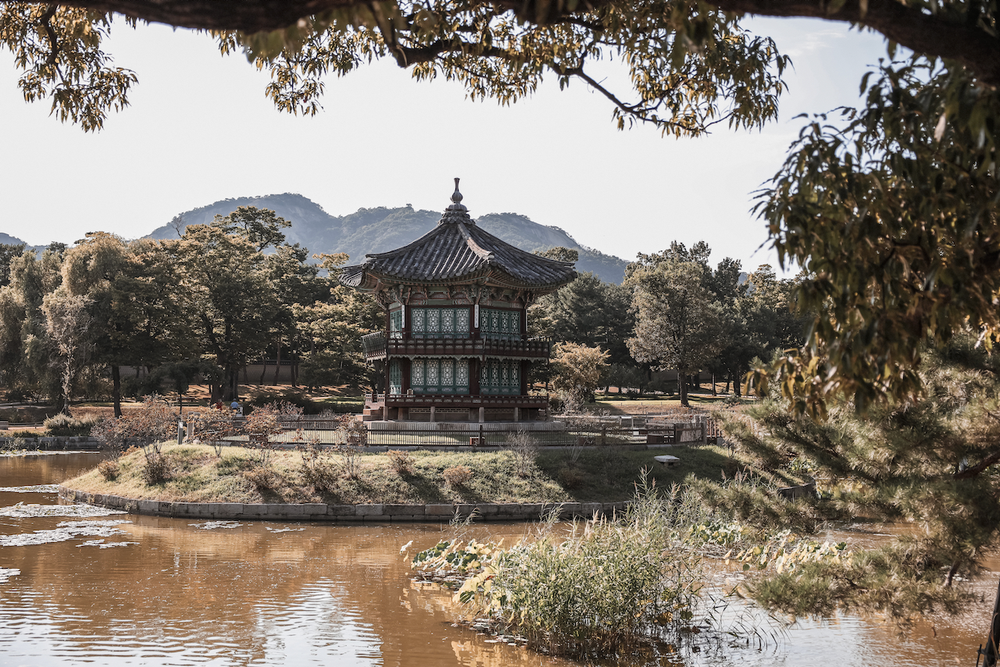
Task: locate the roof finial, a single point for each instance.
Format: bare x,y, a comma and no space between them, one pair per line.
457,211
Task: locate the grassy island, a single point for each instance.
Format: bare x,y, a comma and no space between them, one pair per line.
197,473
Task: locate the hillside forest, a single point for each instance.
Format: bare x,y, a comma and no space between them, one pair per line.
235,291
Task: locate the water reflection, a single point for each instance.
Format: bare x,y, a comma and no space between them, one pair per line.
184,592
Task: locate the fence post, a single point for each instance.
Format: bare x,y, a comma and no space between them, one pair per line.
482,443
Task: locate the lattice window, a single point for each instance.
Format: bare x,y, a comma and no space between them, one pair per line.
417,374
501,324
439,322
395,377
439,376
396,324
433,321
432,374
501,377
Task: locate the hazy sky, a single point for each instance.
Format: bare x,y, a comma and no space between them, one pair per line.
200,129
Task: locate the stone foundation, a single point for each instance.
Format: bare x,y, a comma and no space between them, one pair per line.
383,513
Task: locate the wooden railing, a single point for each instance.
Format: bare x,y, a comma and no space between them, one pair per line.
456,400
378,345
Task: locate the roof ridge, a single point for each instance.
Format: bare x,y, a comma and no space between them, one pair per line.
482,252
437,230
497,239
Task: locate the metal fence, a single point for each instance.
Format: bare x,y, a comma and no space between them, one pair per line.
679,427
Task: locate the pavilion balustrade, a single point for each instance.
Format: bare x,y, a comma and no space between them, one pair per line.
378,345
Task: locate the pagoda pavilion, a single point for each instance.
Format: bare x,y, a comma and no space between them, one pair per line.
455,345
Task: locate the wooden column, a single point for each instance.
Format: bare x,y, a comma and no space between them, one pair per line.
474,377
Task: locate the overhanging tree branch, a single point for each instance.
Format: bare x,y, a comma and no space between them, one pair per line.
953,37
930,34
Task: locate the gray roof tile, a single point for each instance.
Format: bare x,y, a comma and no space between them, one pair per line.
458,250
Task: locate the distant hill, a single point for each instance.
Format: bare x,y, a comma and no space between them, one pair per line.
370,230
7,239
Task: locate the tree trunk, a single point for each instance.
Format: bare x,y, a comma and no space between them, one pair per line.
277,364
116,389
714,392
263,370
990,652
737,385
682,389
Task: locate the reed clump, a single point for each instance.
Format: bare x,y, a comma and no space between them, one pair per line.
596,591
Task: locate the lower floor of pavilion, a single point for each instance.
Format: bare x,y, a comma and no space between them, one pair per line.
455,407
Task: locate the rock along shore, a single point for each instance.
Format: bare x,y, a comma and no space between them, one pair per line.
343,513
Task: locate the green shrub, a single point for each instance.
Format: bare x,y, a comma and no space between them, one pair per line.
571,477
296,398
63,424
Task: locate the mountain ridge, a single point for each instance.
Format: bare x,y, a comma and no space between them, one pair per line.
378,229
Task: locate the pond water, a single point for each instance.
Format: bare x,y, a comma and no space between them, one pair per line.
136,590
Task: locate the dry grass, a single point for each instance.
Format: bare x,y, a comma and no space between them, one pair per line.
196,474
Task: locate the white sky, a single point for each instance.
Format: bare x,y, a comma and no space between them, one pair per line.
200,129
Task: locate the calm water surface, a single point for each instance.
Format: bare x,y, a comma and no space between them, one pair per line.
153,591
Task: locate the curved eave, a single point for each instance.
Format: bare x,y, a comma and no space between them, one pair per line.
368,280
357,277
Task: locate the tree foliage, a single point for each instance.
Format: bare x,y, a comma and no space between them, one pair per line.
577,370
59,50
134,320
678,321
925,463
198,308
331,328
891,213
690,66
